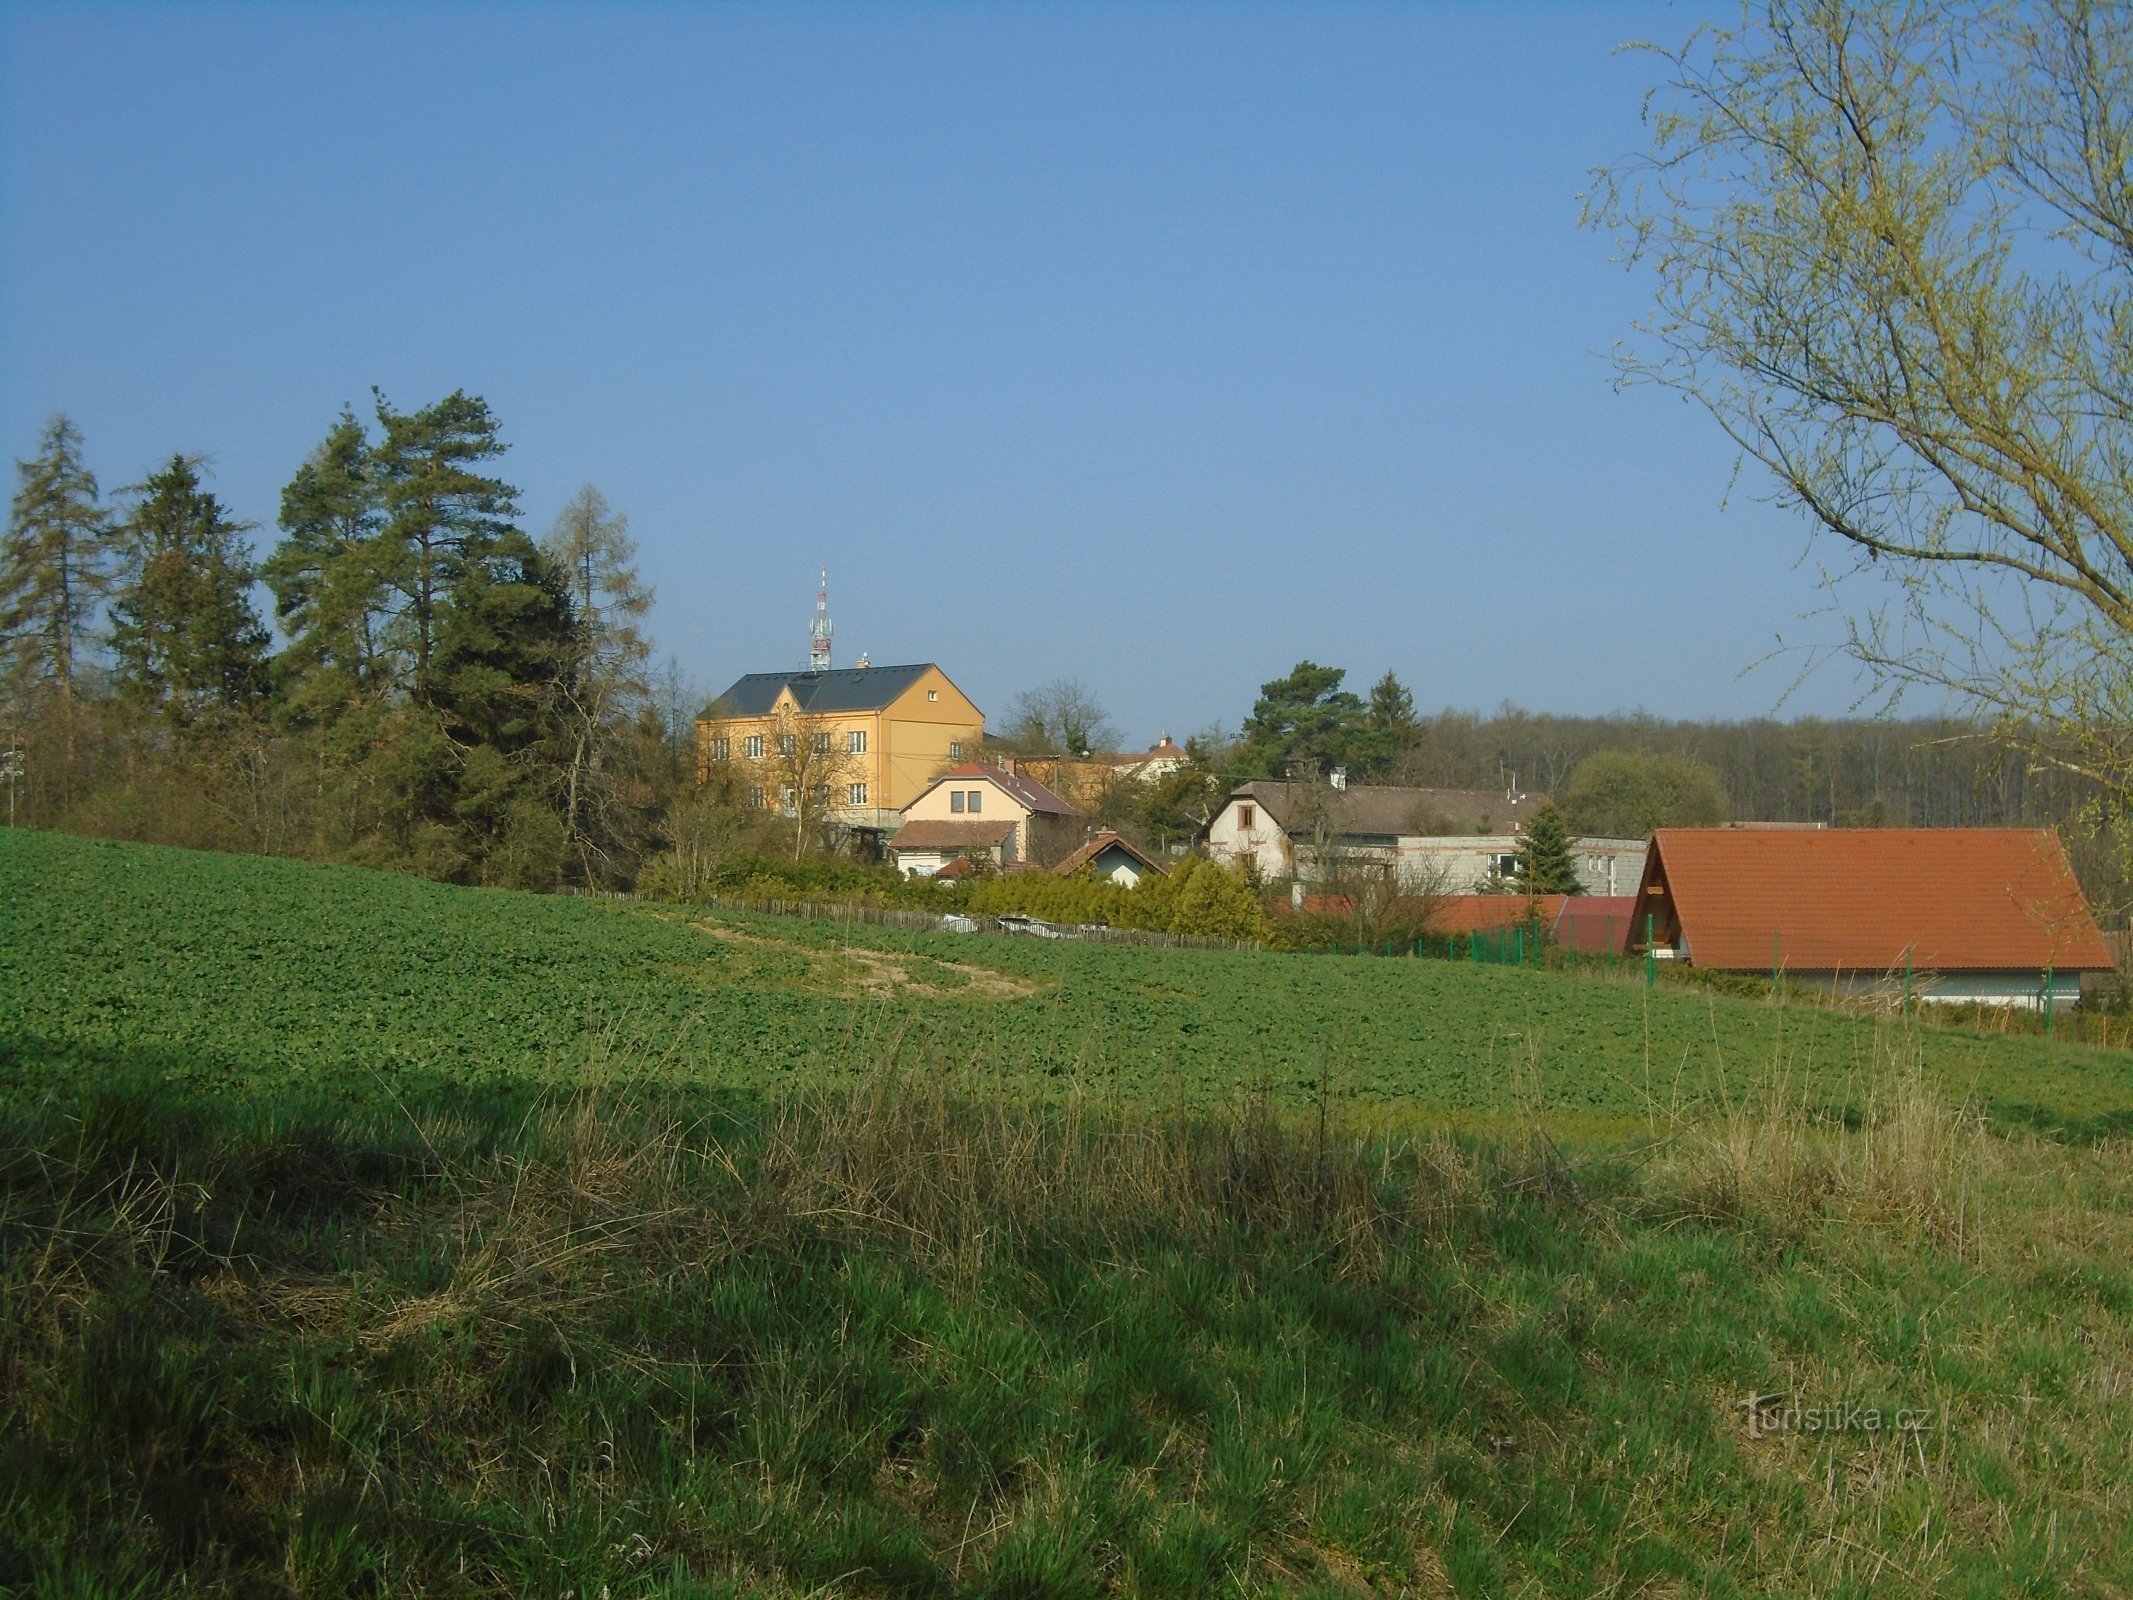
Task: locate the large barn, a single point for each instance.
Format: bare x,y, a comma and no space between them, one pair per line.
1991,915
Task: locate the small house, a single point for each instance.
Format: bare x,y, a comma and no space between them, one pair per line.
1022,819
1990,915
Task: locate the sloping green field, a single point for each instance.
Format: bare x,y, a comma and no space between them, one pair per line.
360,1236
232,970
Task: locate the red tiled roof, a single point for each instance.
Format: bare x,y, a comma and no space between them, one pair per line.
1098,845
1480,913
1032,794
1871,899
1594,923
951,835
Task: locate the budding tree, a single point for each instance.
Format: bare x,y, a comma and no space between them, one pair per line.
1893,245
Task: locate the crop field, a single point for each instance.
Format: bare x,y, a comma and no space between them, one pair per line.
364,1236
227,970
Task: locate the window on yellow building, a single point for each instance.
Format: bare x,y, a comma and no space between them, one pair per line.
856,794
821,744
855,742
755,798
721,749
955,799
785,745
955,749
977,800
752,747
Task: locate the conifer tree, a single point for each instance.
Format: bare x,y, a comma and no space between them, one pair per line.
55,567
187,642
437,505
1547,860
328,580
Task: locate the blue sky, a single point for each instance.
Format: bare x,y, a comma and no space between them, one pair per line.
1157,346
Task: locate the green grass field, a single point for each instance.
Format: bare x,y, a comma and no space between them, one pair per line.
361,1236
226,970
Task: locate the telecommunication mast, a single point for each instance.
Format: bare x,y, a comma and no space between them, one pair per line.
818,631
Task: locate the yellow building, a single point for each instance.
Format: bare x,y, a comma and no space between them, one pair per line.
860,742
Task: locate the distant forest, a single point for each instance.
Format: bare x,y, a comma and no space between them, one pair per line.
1916,773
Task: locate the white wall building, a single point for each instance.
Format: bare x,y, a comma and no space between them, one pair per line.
1441,841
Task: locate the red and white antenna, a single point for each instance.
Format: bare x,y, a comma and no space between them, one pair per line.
818,631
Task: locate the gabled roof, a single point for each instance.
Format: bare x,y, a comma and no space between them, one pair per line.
951,835
1027,791
1384,811
1101,843
841,689
1873,899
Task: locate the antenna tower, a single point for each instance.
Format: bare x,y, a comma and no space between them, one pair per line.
818,631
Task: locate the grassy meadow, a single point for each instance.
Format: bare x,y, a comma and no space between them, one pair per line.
362,1236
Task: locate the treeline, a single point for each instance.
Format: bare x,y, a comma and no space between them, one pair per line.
442,692
451,695
1927,772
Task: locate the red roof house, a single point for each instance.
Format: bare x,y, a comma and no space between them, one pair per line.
1985,914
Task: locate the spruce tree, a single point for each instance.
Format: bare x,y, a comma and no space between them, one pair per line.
1547,860
187,642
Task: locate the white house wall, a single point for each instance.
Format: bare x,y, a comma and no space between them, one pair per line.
1263,847
2022,991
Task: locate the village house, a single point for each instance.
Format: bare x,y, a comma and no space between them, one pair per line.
1087,780
1990,915
1007,817
873,737
1114,858
1429,841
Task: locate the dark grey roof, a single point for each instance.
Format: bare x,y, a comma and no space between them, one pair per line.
1382,811
842,689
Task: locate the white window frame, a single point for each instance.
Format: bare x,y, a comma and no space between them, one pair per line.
752,747
856,794
855,742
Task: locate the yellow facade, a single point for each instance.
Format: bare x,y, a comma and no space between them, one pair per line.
924,727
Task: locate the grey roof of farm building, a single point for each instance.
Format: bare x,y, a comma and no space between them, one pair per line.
1384,811
840,689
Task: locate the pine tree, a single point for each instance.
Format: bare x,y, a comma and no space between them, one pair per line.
328,579
436,506
187,641
1547,860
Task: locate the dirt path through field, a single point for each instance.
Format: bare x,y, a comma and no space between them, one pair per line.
856,970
